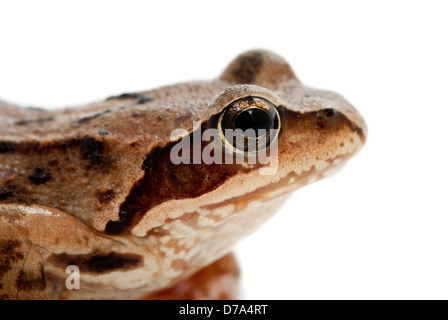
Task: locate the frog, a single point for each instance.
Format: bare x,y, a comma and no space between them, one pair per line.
91,193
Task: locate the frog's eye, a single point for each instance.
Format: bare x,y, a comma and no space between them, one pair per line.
249,124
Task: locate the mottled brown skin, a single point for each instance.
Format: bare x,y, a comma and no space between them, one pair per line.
94,186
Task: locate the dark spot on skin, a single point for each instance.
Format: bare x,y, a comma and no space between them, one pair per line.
40,176
4,194
9,254
92,150
85,119
249,67
6,146
53,163
160,117
307,95
97,115
40,120
145,99
29,281
141,97
4,297
98,263
103,133
105,196
125,96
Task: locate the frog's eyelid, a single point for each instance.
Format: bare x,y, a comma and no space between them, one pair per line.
233,93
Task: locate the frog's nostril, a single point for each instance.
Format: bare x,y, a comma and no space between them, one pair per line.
329,113
325,114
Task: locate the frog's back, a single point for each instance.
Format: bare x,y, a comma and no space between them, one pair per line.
93,155
153,113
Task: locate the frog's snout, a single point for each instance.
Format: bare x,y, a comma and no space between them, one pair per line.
334,118
346,113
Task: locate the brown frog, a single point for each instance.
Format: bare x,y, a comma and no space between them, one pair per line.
95,188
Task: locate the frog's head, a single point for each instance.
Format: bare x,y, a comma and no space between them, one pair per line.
195,199
318,129
186,192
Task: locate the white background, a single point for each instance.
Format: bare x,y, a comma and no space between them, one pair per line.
378,229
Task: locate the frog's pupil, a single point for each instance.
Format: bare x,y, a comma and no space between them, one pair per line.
253,118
